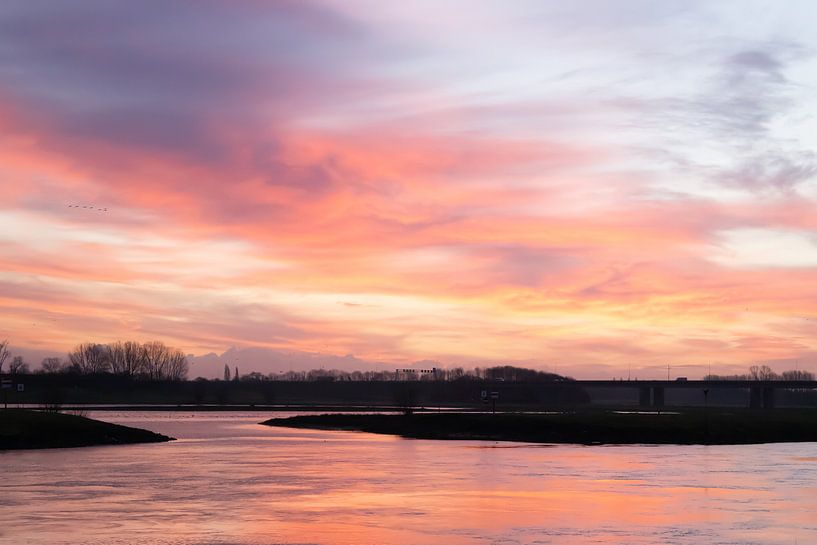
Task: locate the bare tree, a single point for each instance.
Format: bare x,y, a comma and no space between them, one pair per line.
89,358
127,358
117,352
133,359
18,366
797,375
153,360
156,360
4,353
762,372
51,365
177,366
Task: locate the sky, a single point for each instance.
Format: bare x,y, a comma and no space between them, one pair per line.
587,187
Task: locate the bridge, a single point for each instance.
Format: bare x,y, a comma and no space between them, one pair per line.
651,392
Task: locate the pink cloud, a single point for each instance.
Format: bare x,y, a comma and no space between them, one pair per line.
247,193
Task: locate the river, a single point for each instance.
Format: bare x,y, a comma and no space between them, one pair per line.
228,480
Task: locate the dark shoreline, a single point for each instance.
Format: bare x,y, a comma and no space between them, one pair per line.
27,429
683,427
147,407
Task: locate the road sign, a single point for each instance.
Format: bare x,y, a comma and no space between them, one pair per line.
5,384
21,387
494,395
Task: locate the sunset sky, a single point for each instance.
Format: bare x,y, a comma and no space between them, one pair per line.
584,186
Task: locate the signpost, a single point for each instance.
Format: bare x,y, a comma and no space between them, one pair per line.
493,395
5,385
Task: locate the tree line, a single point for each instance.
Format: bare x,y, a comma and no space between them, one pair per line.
150,361
764,372
156,361
504,373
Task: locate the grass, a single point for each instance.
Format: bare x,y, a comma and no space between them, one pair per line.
26,429
689,426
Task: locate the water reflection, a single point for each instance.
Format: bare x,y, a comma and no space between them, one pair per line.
228,480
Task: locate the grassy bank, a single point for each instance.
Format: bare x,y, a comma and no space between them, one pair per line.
582,427
24,429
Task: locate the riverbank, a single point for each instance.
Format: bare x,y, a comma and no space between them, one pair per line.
26,429
239,408
582,427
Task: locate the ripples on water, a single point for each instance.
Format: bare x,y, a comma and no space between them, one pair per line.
229,481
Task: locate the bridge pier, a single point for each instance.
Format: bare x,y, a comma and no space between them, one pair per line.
658,396
651,396
755,397
762,397
768,397
644,395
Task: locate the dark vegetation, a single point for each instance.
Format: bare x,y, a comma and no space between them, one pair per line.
65,389
23,429
764,372
582,427
150,361
145,361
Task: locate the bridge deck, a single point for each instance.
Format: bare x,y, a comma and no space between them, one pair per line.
786,384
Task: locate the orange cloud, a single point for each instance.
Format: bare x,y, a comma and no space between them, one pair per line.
253,215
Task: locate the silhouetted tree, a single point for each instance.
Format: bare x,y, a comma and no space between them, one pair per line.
51,365
4,353
90,358
177,366
117,352
18,366
519,374
235,376
762,372
156,360
133,359
153,360
128,359
226,372
162,362
797,375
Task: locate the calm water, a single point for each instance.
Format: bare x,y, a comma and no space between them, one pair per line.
229,481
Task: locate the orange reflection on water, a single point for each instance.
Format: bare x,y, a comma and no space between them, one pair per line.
230,481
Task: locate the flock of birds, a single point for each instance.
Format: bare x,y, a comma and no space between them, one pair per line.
91,207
